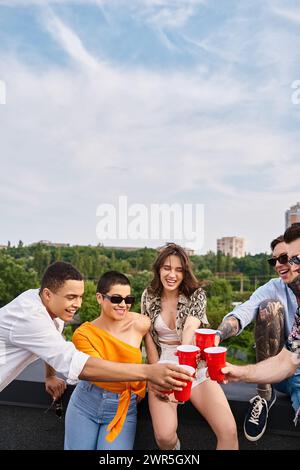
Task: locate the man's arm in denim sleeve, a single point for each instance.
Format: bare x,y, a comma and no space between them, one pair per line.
247,311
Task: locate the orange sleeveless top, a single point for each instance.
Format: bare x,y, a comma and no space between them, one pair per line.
96,342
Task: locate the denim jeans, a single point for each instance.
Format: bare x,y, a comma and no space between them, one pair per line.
90,410
291,387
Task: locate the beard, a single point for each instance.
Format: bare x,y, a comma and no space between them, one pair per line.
295,287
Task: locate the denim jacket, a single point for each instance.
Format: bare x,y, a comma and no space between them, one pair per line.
275,289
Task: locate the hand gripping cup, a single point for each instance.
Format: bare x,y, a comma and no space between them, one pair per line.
168,392
205,337
187,354
216,360
184,395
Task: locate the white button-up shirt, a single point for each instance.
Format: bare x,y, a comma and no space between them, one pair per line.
27,332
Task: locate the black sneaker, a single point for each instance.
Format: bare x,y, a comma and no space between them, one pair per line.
257,416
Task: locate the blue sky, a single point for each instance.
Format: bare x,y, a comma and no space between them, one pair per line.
182,101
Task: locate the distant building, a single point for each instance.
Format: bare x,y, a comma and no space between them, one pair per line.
292,215
233,246
3,247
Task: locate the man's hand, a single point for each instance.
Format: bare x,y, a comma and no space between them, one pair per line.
168,376
55,386
234,373
217,340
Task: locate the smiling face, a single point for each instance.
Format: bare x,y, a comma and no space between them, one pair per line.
284,271
294,250
65,302
114,312
171,273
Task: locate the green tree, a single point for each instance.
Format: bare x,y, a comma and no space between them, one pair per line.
139,282
204,274
41,260
228,264
145,259
265,267
89,309
78,260
58,254
219,288
241,347
101,264
220,262
216,310
14,278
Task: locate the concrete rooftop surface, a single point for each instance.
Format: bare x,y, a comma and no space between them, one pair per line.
25,425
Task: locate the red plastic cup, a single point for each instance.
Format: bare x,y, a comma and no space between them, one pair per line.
216,360
205,337
187,354
185,394
164,361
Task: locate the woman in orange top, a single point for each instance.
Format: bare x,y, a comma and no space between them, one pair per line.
102,415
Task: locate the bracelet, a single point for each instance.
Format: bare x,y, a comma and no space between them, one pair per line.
219,332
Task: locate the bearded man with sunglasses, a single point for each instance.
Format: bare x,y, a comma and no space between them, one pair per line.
31,327
272,307
285,364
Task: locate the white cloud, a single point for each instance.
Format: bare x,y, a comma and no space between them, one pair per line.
75,136
69,41
170,16
288,14
75,130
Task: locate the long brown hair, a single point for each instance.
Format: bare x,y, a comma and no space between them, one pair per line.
189,282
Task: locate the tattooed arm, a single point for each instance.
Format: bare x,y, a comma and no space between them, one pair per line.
230,326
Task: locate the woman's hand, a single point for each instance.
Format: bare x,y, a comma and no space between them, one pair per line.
158,391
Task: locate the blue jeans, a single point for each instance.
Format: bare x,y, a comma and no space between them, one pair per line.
291,387
90,410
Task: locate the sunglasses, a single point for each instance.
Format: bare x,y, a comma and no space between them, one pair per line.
117,299
283,259
295,259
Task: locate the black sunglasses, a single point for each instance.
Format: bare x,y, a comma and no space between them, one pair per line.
283,259
117,299
295,259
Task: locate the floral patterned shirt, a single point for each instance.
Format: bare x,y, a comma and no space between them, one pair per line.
293,342
194,306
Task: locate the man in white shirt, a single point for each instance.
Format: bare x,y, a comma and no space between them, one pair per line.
272,307
31,326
